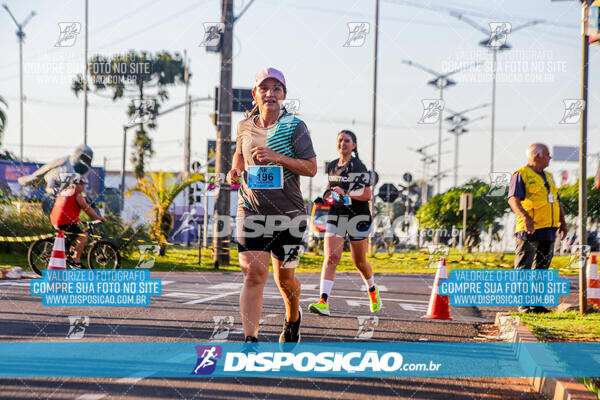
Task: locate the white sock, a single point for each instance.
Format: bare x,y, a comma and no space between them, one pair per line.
326,287
370,282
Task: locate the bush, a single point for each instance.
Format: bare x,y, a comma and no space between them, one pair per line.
125,235
27,219
18,219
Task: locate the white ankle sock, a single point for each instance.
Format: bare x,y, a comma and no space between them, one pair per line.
326,287
370,282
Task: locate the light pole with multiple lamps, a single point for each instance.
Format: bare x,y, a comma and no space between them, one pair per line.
498,33
21,36
441,81
459,120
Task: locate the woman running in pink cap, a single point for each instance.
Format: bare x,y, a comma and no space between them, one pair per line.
273,149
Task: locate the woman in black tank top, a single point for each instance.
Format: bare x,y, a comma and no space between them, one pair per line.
348,215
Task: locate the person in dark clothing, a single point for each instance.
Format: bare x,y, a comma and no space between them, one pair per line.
533,196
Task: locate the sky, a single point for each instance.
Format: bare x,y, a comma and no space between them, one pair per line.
332,82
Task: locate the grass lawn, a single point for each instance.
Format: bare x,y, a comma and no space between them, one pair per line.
569,326
178,258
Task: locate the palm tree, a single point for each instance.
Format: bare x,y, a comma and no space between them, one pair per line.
2,118
162,188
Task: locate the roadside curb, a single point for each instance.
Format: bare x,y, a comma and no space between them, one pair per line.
552,388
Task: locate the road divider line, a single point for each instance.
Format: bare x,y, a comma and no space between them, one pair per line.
211,298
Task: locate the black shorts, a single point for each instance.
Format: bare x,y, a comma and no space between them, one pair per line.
72,229
285,244
356,227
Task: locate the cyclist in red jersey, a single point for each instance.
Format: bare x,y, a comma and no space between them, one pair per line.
65,215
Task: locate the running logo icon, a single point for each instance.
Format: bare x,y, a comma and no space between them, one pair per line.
207,359
292,106
68,34
573,110
292,254
435,253
357,34
432,110
499,182
212,34
148,254
358,182
78,325
574,260
223,325
499,33
366,326
142,111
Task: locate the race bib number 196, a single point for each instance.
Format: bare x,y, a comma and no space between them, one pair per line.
265,177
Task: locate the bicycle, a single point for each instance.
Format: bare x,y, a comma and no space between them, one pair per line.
103,253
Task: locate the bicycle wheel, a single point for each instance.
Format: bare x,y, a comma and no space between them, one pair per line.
104,255
39,254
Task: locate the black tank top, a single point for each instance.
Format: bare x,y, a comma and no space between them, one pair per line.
352,176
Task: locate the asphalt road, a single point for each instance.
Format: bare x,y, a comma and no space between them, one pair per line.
197,307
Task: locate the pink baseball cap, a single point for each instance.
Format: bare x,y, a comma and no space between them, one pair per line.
267,73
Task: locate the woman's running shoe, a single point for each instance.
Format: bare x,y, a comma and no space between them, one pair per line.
375,300
291,330
319,308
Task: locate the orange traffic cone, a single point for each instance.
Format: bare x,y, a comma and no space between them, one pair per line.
439,306
593,282
58,259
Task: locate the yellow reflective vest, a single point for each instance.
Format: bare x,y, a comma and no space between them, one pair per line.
537,203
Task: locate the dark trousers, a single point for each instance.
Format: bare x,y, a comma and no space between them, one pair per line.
533,254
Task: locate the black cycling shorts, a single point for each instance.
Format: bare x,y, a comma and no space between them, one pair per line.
356,227
285,244
71,229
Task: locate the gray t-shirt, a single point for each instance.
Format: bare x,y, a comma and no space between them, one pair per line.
289,136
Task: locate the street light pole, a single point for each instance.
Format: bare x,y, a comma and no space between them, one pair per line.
439,144
220,254
441,82
459,121
496,42
21,36
582,217
85,77
374,117
493,114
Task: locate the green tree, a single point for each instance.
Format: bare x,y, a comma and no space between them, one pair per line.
162,188
144,78
2,118
569,196
442,210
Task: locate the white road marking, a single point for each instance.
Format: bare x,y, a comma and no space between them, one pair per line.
91,396
357,303
227,285
211,298
163,283
413,307
14,283
382,288
181,294
404,306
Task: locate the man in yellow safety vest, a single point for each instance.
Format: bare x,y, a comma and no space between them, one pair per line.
533,196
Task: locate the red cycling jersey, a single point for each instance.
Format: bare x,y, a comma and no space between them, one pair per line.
66,210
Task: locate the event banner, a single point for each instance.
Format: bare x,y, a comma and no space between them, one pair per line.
11,171
319,359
